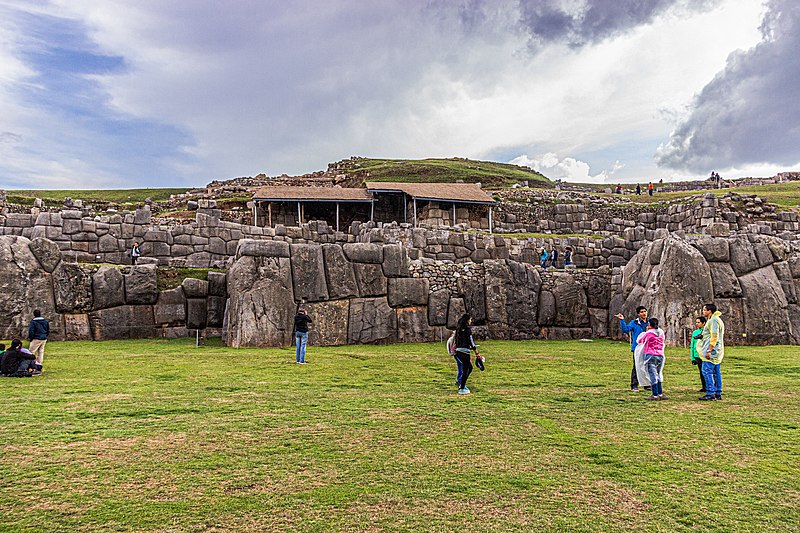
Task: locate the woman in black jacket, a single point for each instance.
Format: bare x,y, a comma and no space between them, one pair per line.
464,344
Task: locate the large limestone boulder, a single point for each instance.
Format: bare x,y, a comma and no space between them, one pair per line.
455,310
261,304
362,252
713,249
570,302
370,279
330,322
395,261
371,321
742,255
216,311
726,284
497,277
676,288
217,285
341,279
194,288
170,309
308,273
123,322
24,286
406,292
47,253
766,314
141,287
262,248
108,287
474,295
522,300
412,325
196,313
73,288
437,307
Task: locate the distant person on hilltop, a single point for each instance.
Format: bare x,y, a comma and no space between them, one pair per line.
638,189
650,188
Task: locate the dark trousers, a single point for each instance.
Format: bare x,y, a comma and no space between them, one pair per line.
702,377
466,366
634,378
24,366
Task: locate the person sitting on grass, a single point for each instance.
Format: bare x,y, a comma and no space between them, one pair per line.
17,361
464,344
697,359
653,341
2,353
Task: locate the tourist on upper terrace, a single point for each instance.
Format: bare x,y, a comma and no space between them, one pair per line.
650,188
301,322
38,331
653,342
638,189
135,252
635,327
553,257
713,350
543,257
697,359
568,258
464,344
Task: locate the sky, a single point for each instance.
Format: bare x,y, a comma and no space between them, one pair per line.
160,93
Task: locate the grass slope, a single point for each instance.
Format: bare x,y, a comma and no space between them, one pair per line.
785,195
120,196
488,173
158,435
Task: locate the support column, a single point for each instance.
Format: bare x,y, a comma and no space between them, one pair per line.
269,213
372,210
454,214
299,215
337,216
415,211
255,213
490,219
405,209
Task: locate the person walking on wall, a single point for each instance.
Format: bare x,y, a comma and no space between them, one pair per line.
135,252
543,257
301,322
568,258
464,344
553,257
38,331
694,352
653,341
635,327
713,350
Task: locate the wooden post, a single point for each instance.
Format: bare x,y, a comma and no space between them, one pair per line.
269,213
490,219
415,211
299,215
454,214
405,209
372,210
255,213
337,216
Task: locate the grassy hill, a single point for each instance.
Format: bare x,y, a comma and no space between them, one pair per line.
488,173
119,196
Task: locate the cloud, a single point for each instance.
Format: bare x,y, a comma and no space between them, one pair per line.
750,112
578,23
567,169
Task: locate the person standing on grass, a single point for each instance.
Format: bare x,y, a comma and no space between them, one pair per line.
713,350
464,344
653,341
38,331
301,322
135,252
636,327
697,359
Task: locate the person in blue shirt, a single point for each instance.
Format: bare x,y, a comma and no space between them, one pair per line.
635,327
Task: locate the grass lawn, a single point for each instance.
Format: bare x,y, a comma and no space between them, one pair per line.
107,195
785,195
158,435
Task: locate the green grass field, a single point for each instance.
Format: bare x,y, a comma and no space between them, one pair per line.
158,435
785,195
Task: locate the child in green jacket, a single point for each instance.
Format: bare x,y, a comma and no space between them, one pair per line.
697,359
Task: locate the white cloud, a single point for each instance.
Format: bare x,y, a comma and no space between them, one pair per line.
567,169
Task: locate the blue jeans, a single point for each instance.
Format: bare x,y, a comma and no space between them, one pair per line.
654,364
713,375
301,339
460,367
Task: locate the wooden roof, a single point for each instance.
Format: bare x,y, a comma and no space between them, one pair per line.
451,192
285,193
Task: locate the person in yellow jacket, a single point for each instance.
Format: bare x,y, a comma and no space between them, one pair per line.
712,351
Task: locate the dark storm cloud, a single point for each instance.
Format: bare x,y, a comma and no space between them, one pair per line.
581,23
750,112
